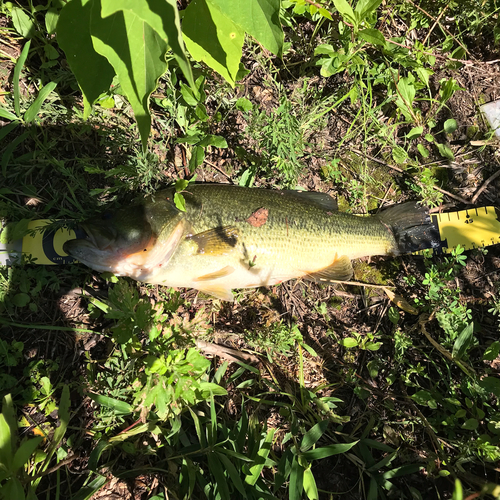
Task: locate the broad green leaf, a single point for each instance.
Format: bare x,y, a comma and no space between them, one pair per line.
471,424
423,150
51,19
217,470
120,407
366,7
93,72
33,110
5,443
8,115
328,451
24,452
345,10
213,140
91,489
259,18
296,480
310,485
399,154
17,74
445,151
23,23
243,104
424,398
213,38
450,126
415,132
13,489
180,202
96,453
492,351
313,434
21,299
233,474
491,384
260,460
163,17
349,342
372,36
458,493
424,74
197,158
463,341
210,387
326,49
137,53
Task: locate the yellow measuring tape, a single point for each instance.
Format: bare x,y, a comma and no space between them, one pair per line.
472,228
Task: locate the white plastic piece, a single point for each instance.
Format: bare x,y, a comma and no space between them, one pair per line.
492,113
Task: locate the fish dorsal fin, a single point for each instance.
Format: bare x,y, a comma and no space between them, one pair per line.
340,270
323,200
217,291
225,271
217,241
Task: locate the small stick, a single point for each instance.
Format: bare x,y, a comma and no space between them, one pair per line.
225,352
219,170
484,186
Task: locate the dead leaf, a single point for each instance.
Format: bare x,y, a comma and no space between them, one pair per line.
259,217
401,302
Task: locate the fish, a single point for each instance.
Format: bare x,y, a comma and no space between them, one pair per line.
231,237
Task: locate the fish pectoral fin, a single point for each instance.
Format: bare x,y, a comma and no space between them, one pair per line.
340,270
219,292
217,241
225,271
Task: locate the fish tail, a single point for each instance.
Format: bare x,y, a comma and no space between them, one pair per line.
412,227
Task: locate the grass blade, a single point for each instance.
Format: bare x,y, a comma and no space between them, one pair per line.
17,74
33,110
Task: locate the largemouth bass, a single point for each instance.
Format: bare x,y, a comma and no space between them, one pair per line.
235,237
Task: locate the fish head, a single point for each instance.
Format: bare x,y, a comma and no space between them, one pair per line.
133,241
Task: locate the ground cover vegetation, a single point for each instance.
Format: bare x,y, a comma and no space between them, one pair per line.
113,389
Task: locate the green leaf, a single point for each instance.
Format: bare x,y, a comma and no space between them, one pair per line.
96,453
233,474
310,485
23,23
8,115
120,407
33,110
13,489
463,341
24,452
163,17
51,19
296,480
324,49
73,35
372,36
367,7
243,104
424,398
492,351
137,53
471,424
349,342
423,150
213,38
450,126
345,11
260,459
328,451
415,132
259,18
6,451
217,470
445,151
399,154
213,140
197,158
21,299
313,434
208,388
491,384
180,202
17,74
